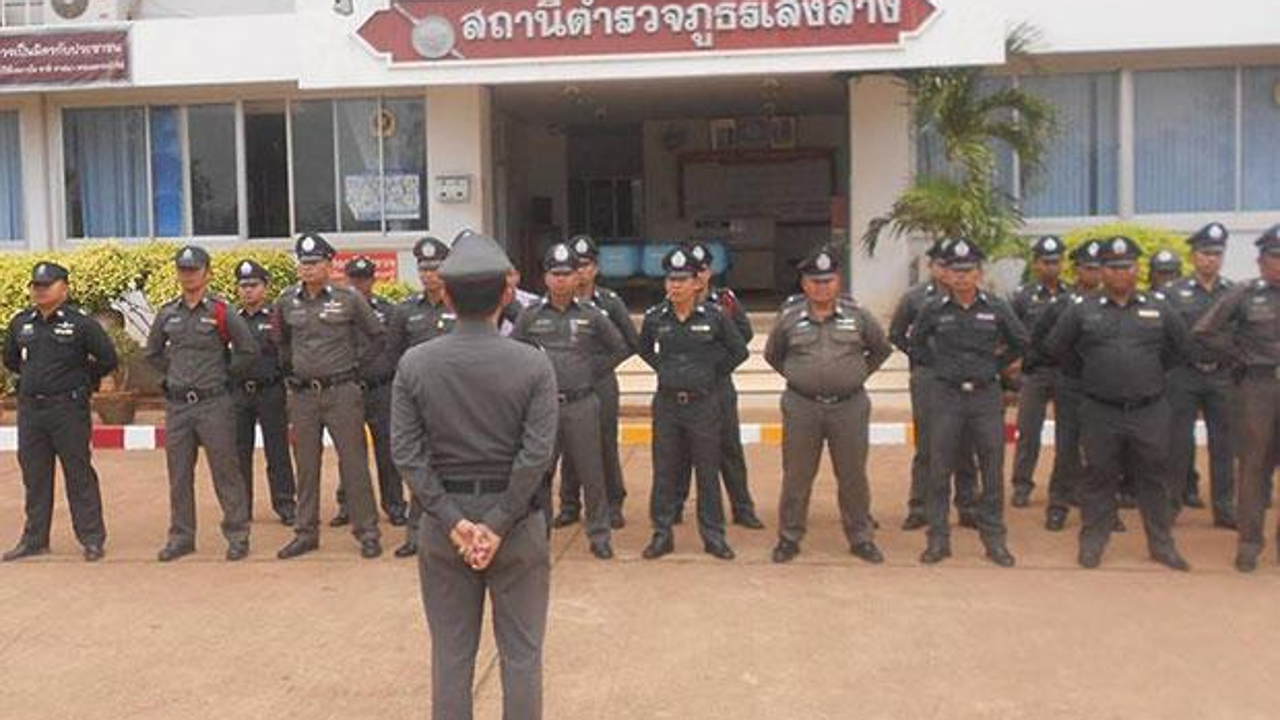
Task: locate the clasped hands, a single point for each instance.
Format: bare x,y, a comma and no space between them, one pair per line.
476,543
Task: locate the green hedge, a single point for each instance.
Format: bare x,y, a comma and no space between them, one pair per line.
1152,240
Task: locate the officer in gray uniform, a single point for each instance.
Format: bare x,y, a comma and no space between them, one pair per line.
422,317
607,390
1165,268
1121,342
320,328
584,347
968,338
691,346
189,343
900,328
473,431
1245,325
376,370
260,399
1039,372
60,354
1203,384
826,349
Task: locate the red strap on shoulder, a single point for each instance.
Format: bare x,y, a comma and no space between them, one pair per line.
220,317
728,301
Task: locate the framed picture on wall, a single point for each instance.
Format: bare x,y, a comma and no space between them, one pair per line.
782,132
724,134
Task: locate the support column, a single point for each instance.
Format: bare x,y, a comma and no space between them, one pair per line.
880,167
459,143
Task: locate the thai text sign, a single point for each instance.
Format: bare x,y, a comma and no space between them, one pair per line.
64,58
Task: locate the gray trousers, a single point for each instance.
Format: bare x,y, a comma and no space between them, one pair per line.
210,423
1191,393
570,486
1259,453
845,428
733,460
377,415
1039,388
50,430
340,410
966,474
518,583
578,445
1068,460
979,415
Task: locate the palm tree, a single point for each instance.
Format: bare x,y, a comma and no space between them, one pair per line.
970,120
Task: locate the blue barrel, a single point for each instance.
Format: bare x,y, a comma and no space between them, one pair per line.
653,254
620,261
719,257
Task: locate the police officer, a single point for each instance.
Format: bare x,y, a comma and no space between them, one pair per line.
826,349
584,346
1245,325
376,370
422,317
607,390
900,330
1039,372
320,329
260,397
968,338
1165,267
1121,342
692,347
1203,384
59,354
473,433
189,343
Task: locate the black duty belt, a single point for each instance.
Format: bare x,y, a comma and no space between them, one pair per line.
324,383
684,397
77,394
485,486
573,396
375,384
256,386
1262,372
824,399
1126,405
191,396
966,386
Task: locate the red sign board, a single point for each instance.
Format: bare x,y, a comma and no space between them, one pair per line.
415,31
386,261
64,58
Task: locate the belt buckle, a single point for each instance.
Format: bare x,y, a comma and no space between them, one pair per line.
251,386
967,386
683,397
563,398
192,397
315,385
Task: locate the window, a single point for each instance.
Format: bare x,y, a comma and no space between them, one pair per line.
105,153
1184,141
1260,103
1081,167
211,136
11,225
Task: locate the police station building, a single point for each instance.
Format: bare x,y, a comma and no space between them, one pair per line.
762,125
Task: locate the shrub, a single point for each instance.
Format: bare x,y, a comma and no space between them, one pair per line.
1152,240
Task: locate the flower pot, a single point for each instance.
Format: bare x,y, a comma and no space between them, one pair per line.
116,408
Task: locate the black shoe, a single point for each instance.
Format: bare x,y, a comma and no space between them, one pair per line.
1246,562
1000,555
1225,522
172,552
1172,560
298,546
785,551
1055,520
397,516
867,551
409,549
23,550
238,550
565,519
1021,496
602,550
1193,500
341,519
93,553
1089,559
617,520
660,545
287,517
968,519
719,550
914,522
370,549
748,520
1119,526
936,552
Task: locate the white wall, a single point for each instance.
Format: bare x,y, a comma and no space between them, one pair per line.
459,130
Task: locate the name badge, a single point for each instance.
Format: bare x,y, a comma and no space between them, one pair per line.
988,317
700,328
1149,313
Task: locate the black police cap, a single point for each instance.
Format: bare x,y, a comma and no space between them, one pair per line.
249,270
191,257
46,273
430,252
1209,238
311,247
559,258
360,267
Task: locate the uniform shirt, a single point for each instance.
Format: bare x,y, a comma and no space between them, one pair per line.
580,340
831,357
904,317
1029,303
474,405
1191,301
266,364
320,336
616,309
693,354
420,320
970,344
1119,352
1245,324
65,351
1048,320
378,360
186,345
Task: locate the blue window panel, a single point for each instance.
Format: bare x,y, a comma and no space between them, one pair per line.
1184,141
105,171
1261,171
1080,177
166,172
11,227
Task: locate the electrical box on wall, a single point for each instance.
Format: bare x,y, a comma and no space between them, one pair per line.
453,188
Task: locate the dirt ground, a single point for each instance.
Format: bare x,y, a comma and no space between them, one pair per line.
686,637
